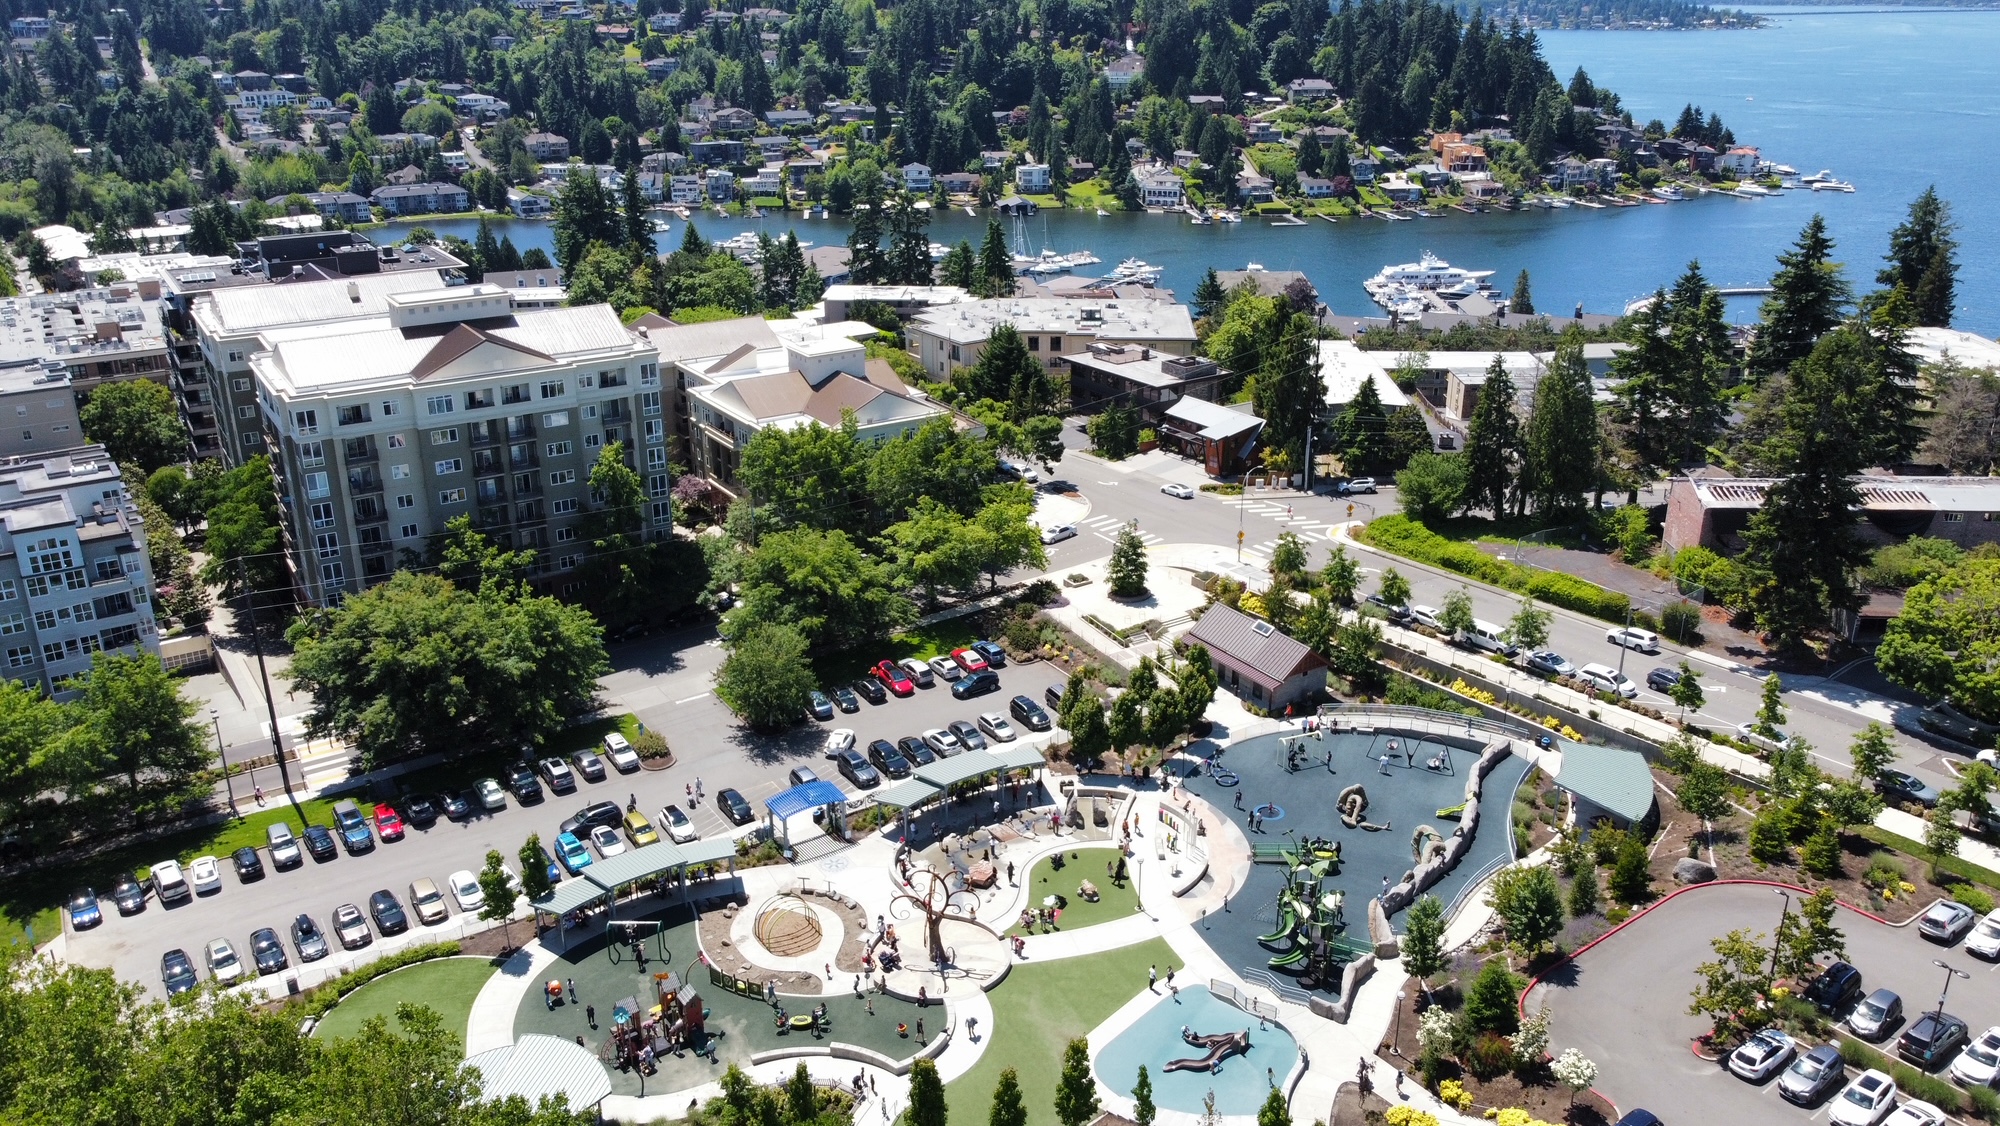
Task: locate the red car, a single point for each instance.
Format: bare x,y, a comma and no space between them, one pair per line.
969,660
388,823
891,674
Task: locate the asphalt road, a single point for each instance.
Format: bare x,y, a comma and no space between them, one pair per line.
1624,1002
666,681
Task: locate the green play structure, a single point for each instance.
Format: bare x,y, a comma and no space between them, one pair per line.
1310,912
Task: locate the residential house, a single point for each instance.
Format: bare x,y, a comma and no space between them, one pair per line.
1364,168
1460,158
1308,90
684,189
788,118
1260,132
1313,187
1032,177
721,185
1120,72
344,206
955,336
1604,172
1186,158
733,119
771,147
483,106
296,83
1712,512
959,183
456,162
664,21
917,178
1254,187
1257,662
992,159
421,199
247,80
1215,102
1080,170
527,205
769,181
1162,190
1400,188
547,148
661,69
1570,173
1434,177
32,28
716,152
1742,160
501,42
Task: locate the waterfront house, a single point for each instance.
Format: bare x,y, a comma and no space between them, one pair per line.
1742,160
527,205
1162,189
1308,90
787,118
1434,177
1313,187
1365,169
1186,158
1031,177
1570,173
547,148
1605,171
721,185
1254,188
684,189
1400,188
421,199
716,152
917,178
959,183
344,206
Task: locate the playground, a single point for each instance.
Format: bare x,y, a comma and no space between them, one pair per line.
1334,825
1224,1050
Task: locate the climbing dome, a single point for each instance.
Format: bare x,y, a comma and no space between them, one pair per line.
787,927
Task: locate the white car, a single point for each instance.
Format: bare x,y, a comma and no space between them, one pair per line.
1604,678
839,739
1749,734
1762,1056
1985,938
1979,1064
677,825
943,742
946,668
1425,616
205,874
996,727
465,888
1056,533
919,672
623,758
1915,1113
1864,1102
1643,640
607,841
490,794
223,964
1176,489
169,881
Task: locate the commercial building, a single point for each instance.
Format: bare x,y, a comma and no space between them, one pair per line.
452,402
97,336
1712,512
1135,375
954,336
1222,438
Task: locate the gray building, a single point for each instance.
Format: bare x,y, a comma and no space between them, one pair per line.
98,336
38,411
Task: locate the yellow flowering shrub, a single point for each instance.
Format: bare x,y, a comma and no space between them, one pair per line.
1908,887
1453,1094
1480,694
1409,1116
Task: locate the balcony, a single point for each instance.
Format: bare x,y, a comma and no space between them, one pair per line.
363,481
520,428
529,512
521,460
486,462
489,491
494,517
515,396
358,450
485,433
369,510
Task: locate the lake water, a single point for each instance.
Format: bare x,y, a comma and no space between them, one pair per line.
1889,100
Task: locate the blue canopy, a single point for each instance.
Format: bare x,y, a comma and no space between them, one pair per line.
798,799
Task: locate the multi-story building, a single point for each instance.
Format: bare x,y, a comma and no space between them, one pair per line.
421,199
38,412
452,402
954,336
73,573
98,336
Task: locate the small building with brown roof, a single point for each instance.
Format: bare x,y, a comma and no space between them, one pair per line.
1256,662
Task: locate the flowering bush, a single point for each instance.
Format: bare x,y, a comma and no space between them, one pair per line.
1436,1029
1574,1070
1409,1116
1531,1042
1453,1094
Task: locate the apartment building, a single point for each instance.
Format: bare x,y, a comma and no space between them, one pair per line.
100,335
452,402
953,336
73,573
38,411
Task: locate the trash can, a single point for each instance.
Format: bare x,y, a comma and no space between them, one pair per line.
292,984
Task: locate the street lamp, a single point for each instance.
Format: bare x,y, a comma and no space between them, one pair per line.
1778,939
1949,973
229,784
1396,1037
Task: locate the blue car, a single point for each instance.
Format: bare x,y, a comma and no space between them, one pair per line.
572,853
83,910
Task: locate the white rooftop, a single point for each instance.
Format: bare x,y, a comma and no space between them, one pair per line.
248,309
973,321
1931,345
374,351
1343,367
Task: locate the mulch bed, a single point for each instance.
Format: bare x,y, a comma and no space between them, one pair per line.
1540,1095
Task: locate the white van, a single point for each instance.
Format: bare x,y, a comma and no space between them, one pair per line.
1484,635
168,881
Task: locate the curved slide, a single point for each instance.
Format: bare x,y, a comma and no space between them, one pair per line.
1220,1046
1287,920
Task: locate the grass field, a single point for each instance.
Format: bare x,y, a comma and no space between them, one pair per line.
446,986
1112,903
1039,1009
923,643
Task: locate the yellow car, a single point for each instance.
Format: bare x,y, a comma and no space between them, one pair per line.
639,830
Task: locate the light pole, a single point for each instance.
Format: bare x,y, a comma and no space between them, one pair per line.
1949,973
228,783
1778,939
1396,1037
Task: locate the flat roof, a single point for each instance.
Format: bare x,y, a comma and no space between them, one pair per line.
973,321
252,308
347,355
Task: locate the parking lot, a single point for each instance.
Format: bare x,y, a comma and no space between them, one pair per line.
707,745
1624,1002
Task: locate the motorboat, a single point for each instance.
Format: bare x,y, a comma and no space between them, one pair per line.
1818,177
1135,271
1833,186
1748,189
1669,192
1429,272
938,251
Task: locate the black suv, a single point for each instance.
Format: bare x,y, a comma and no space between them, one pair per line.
975,684
1932,1039
521,781
733,806
871,688
388,913
917,751
177,971
249,866
1029,713
591,816
1836,988
319,843
418,810
888,759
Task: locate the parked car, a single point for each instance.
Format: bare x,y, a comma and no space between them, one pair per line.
1630,637
971,660
856,769
1426,616
996,657
428,902
914,749
943,742
319,843
976,684
205,873
1931,1039
946,668
352,827
804,775
1897,786
307,939
556,772
1551,662
388,823
1056,533
249,866
571,853
894,678
1877,1015
177,972
1604,678
1663,679
465,888
967,735
284,847
679,829
819,705
387,913
1030,714
1639,1116
491,796
1864,1102
1979,1064
454,805
996,727
350,926
522,784
1053,694
640,831
886,759
607,841
919,672
1177,490
1775,740
82,909
1762,1055
1946,922
871,690
223,964
845,699
589,765
591,816
733,807
418,810
1915,1112
1396,611
838,740
1837,987
1812,1075
623,758
1354,485
267,951
170,882
129,894
1985,938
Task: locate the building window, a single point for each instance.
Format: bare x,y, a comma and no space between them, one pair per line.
253,439
354,415
316,485
248,411
659,485
1954,517
235,357
332,573
563,477
448,465
553,388
395,441
322,516
13,624
591,441
52,652
565,506
239,385
328,545
663,513
391,408
655,430
565,535
445,436
656,457
312,453
1034,343
649,403
399,472
559,449
407,531
7,590
20,656
405,500
555,418
451,496
305,422
565,562
438,404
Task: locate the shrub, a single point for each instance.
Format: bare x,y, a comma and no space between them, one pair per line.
1681,621
1572,593
1490,1056
1972,897
1885,869
1985,1102
1453,1094
1491,1002
1915,1084
651,744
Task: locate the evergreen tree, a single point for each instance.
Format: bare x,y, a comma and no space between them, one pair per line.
1923,259
1008,1109
1562,435
1492,443
959,268
996,266
866,264
1128,564
1001,366
1076,1091
1209,296
1583,888
1808,297
1897,426
1311,158
1523,301
927,1107
1288,389
1143,1110
1669,395
1360,432
584,214
909,260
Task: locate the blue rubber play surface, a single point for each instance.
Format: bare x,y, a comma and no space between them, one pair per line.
1240,1082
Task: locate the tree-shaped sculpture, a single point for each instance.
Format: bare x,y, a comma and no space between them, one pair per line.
930,897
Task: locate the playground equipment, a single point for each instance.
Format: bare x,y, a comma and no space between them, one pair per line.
1453,811
1309,915
1219,1045
1426,844
787,927
1353,806
1297,757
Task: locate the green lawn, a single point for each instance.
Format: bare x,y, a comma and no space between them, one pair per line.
447,986
1113,902
1039,1009
922,642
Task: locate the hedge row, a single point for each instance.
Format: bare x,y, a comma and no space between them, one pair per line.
1910,1082
328,994
1400,535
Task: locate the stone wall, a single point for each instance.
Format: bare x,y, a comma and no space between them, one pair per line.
1421,878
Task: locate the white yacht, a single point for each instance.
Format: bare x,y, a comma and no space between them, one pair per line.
1431,272
1670,191
1820,176
1748,189
1832,186
1134,271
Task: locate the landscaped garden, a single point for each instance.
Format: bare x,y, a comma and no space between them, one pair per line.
446,986
1115,898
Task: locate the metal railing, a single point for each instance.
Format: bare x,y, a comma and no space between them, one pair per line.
1430,722
1264,979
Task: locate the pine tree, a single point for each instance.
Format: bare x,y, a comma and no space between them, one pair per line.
866,264
1808,297
1922,259
1583,888
1128,564
996,267
1523,302
1209,296
959,267
1492,443
1143,1110
1310,158
909,261
1562,434
1897,427
1288,389
1360,433
1076,1091
1008,1109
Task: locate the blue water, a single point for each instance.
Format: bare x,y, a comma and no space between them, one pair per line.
1240,1085
1889,100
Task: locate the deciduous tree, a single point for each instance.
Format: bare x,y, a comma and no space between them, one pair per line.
1076,1091
766,677
137,422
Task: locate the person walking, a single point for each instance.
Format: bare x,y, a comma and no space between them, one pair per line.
1384,763
1385,888
572,990
1152,979
1239,799
590,1015
1010,872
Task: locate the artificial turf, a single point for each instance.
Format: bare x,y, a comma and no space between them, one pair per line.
447,986
1113,902
1039,1009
